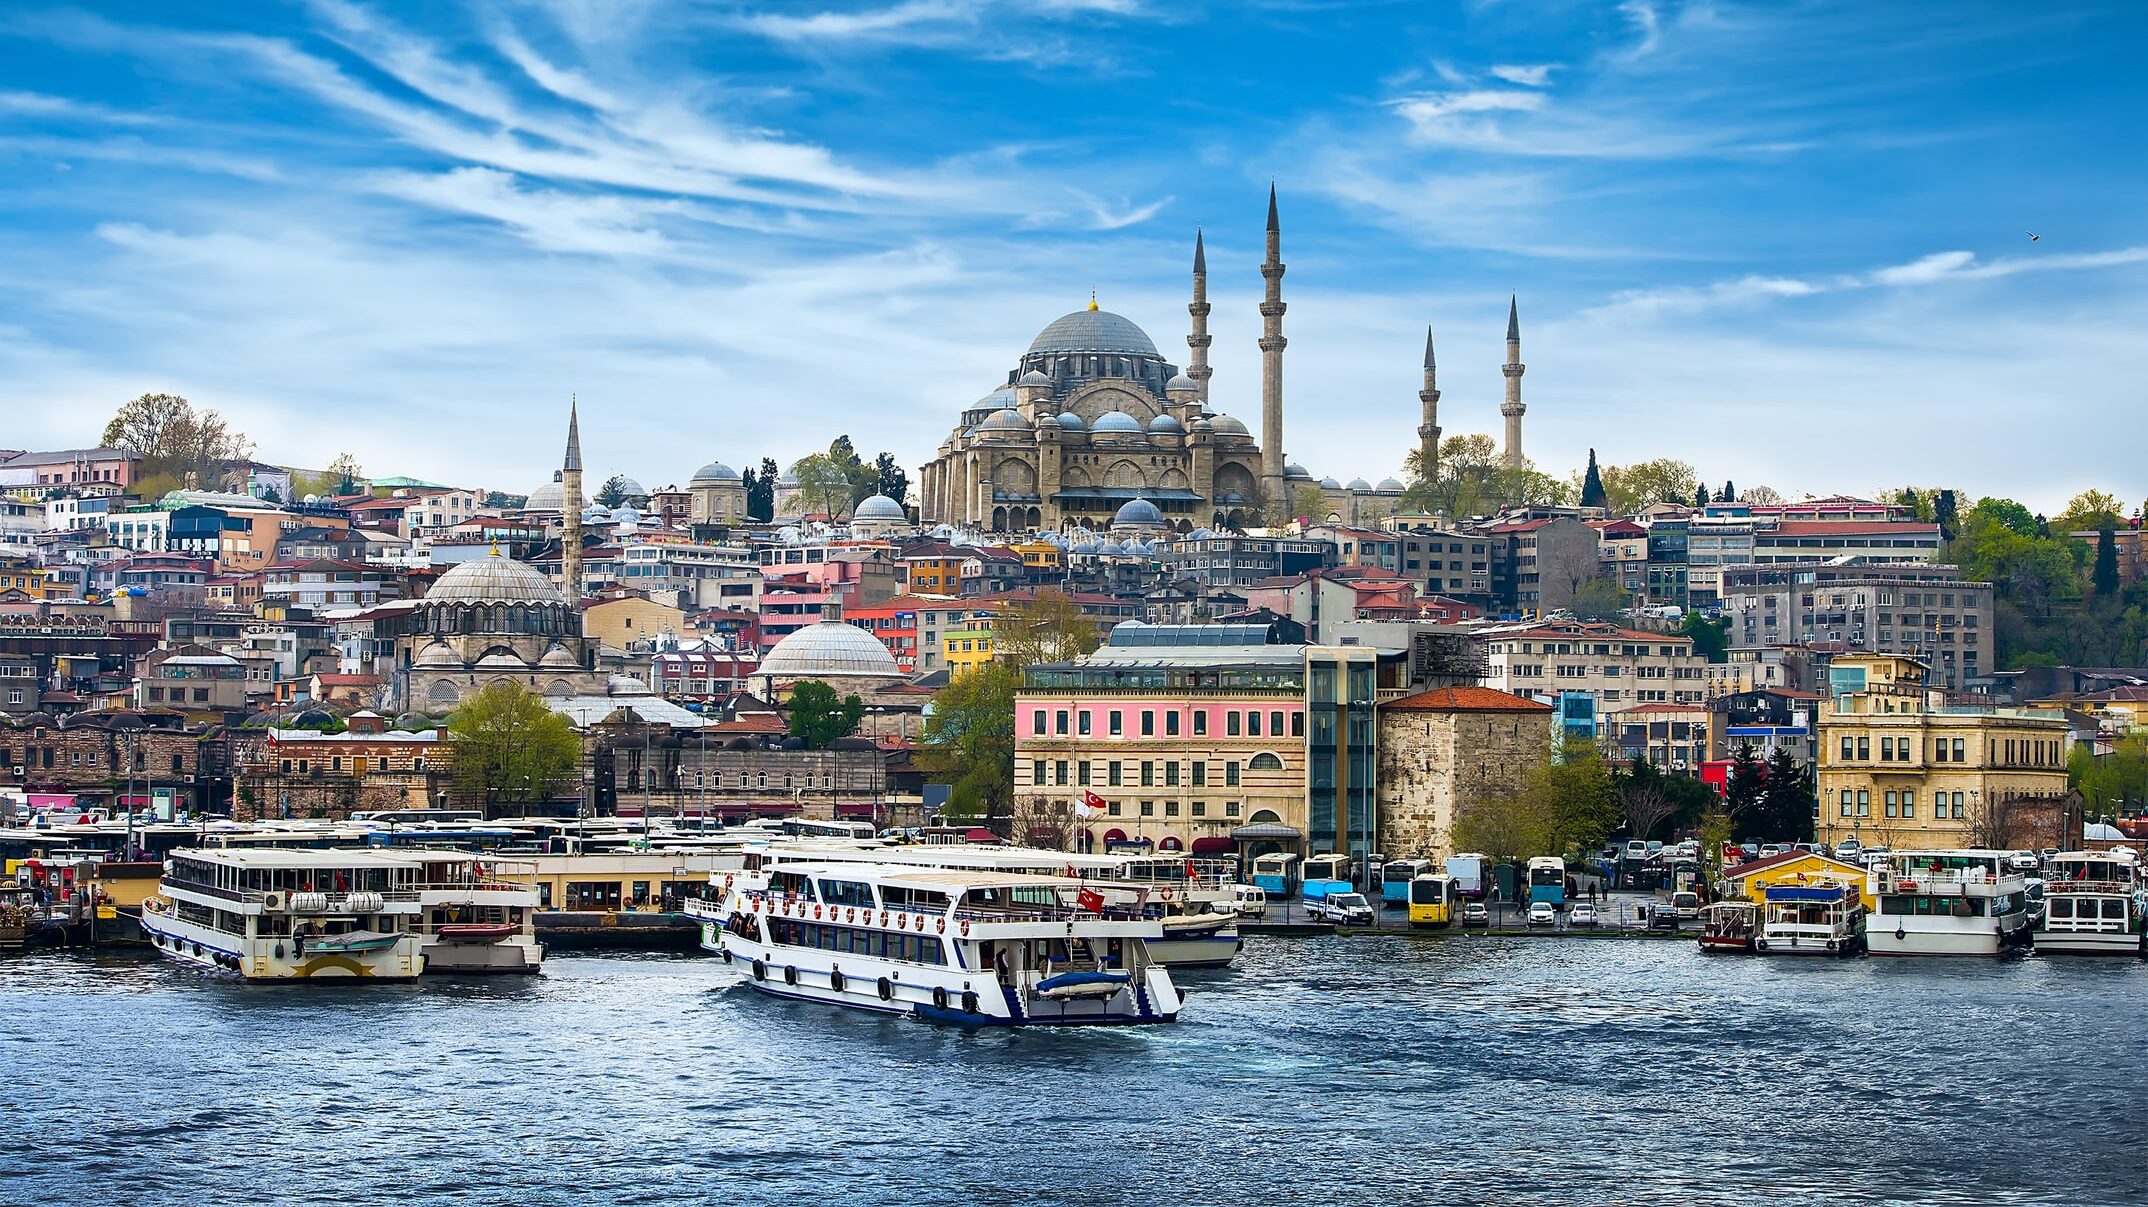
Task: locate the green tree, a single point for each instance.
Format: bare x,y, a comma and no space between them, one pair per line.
509,750
1711,638
2089,511
1786,799
823,484
1662,480
2114,783
613,492
1578,797
1505,827
175,440
1599,599
1945,516
347,474
1049,627
1473,479
2004,513
1745,791
1592,485
1729,493
761,490
890,479
968,742
819,716
2104,578
1700,497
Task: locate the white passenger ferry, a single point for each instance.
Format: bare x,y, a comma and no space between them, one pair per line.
1819,919
478,915
274,914
975,948
2093,905
1947,903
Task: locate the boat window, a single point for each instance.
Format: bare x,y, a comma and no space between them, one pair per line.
2114,908
846,892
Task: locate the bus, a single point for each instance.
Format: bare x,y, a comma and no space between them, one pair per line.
1468,870
1396,876
1547,880
1275,874
1326,874
1434,899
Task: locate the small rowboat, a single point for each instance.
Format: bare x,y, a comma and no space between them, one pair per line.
357,942
478,932
1085,983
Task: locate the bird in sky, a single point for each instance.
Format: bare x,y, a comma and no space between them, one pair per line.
2033,236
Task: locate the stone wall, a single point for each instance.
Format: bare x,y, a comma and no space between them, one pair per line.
1434,763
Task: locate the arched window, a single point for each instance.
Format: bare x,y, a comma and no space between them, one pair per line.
1264,762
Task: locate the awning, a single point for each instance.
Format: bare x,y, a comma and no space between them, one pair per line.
1168,844
980,834
1214,846
1267,831
1114,835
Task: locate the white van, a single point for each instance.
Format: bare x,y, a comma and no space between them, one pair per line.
1246,901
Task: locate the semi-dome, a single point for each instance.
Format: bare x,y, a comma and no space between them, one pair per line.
880,507
1138,511
1034,378
1071,422
502,660
493,579
437,654
1116,421
829,649
1330,484
1358,484
1093,331
1224,423
999,399
713,472
1164,423
558,657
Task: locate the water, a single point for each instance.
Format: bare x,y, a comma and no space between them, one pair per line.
1338,1071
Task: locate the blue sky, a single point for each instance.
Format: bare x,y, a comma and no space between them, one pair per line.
1786,242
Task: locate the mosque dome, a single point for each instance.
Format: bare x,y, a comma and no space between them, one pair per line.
1034,378
713,473
631,489
1178,382
1330,484
558,658
880,507
437,654
1358,484
1111,549
1164,423
1083,547
1071,422
1138,512
493,579
1093,331
1116,421
1295,470
829,649
502,660
1224,423
1389,484
1006,419
549,497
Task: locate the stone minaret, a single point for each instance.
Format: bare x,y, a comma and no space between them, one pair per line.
1271,367
1512,408
1197,366
1428,431
570,509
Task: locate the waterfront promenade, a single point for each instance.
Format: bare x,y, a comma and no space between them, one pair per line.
1338,1070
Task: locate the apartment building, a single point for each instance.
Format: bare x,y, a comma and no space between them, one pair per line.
1612,666
1917,610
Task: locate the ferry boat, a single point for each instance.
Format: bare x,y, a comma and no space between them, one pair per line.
1947,903
1729,926
973,948
274,914
1812,919
2093,902
476,916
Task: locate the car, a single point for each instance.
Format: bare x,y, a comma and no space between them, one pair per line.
1476,913
1663,916
1751,849
1246,901
1582,913
1541,914
1686,904
2023,861
1636,851
1771,849
1849,850
1343,909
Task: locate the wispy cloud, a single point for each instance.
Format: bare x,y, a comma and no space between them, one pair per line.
1532,76
1938,268
895,21
38,104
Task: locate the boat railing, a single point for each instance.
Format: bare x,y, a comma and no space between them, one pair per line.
2102,888
1907,879
261,896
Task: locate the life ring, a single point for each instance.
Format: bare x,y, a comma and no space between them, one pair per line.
790,974
883,917
943,926
816,913
965,928
850,915
727,882
760,971
887,990
1165,895
835,979
939,997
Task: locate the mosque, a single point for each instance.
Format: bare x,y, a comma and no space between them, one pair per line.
1093,418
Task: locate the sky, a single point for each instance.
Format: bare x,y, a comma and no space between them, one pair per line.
1786,242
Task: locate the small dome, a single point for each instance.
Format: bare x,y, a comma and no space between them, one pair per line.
880,507
1111,549
713,473
1164,423
437,655
493,579
829,649
1006,419
1224,423
1034,378
1180,382
632,489
1390,485
998,400
502,660
1093,331
1116,421
549,497
1330,484
1358,484
1138,511
1294,470
1203,425
1083,547
787,479
1072,422
625,685
558,658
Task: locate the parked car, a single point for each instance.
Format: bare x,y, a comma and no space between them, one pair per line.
1541,914
1346,909
1247,901
1849,850
1636,851
1582,913
1686,905
2024,861
1476,913
1663,916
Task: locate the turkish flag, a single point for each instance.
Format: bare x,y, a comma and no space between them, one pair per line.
1091,900
1091,799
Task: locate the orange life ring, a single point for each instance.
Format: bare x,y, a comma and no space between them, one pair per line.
1165,895
943,926
883,917
727,880
965,928
816,911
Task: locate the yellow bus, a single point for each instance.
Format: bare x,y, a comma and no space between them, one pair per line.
1433,900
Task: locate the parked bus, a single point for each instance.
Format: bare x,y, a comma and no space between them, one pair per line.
1396,876
1468,869
1276,874
1326,874
1547,880
1434,900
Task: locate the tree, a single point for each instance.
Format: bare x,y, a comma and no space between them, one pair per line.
1730,493
2090,510
823,484
1944,515
819,717
968,742
1745,791
174,439
270,495
1599,599
1711,638
890,479
509,750
1645,802
1762,496
1576,793
1505,827
1786,798
2105,576
613,492
2004,513
1592,485
1474,479
1309,504
1049,627
347,473
1700,497
761,491
1986,821
1634,487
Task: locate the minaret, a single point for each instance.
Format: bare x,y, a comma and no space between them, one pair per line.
1428,431
1271,367
1512,408
1197,366
570,508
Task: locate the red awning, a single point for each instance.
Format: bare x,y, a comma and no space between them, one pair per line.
980,834
1114,835
1214,846
1168,844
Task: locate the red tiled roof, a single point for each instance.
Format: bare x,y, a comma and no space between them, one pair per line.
759,722
1466,699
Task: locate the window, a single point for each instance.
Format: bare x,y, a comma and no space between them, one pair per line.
1148,774
1846,802
1200,777
1170,808
1959,757
1200,723
1265,762
1118,723
1059,773
1252,724
1275,724
1297,725
1230,775
1864,803
1909,803
1849,748
1864,748
1170,724
1038,727
1148,808
1890,804
1111,773
1170,774
1081,773
1085,723
1230,724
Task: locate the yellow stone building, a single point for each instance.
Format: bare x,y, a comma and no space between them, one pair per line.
1899,768
968,646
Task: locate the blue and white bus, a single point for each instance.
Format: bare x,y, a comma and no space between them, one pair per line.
1276,874
1395,879
1547,880
1324,874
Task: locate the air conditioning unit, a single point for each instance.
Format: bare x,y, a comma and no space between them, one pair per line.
273,902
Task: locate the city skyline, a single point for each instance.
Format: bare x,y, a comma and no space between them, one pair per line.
1791,248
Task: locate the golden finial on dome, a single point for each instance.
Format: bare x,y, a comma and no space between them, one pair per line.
1092,299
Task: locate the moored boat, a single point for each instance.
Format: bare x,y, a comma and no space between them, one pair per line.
2093,905
1947,902
1812,919
275,914
1729,926
478,917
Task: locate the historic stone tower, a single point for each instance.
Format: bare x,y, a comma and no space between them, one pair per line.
570,509
1271,369
1428,431
1197,367
1512,408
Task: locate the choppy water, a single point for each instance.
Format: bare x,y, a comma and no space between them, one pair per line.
1330,1071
